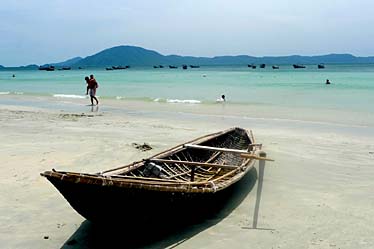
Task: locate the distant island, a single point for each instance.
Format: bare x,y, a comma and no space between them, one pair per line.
137,56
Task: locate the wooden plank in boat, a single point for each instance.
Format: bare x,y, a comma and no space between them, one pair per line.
189,163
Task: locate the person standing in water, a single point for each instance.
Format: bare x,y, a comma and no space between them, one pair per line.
328,82
222,99
91,88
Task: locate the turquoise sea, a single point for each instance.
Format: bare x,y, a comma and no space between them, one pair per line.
351,91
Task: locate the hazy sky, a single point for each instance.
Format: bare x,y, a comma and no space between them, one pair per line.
41,31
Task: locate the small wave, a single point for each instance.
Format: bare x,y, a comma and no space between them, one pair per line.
185,101
71,96
18,93
4,93
120,97
158,100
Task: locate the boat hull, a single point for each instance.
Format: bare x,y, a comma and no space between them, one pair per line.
106,204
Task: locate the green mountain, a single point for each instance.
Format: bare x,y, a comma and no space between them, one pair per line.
123,55
66,63
31,66
137,56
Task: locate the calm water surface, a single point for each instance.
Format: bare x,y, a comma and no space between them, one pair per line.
352,87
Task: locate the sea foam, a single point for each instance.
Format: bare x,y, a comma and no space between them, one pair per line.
185,101
71,96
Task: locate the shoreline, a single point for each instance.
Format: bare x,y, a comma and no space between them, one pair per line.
320,183
217,110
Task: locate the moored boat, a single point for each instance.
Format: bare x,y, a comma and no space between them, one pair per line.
296,66
47,68
119,67
190,177
275,67
321,66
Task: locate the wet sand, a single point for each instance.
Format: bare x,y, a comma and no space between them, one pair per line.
317,194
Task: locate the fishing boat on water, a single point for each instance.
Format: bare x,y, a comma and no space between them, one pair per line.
65,68
189,178
119,67
296,66
47,68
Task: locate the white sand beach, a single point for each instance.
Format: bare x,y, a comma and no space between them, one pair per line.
317,194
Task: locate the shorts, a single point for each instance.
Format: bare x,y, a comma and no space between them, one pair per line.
91,92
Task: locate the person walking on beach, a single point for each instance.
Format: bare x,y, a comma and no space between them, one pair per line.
91,88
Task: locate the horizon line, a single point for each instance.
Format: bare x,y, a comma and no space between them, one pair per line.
196,56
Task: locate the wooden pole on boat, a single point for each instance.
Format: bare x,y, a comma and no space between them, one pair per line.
195,146
252,156
243,153
261,171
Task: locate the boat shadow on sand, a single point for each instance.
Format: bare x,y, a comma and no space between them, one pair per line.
161,233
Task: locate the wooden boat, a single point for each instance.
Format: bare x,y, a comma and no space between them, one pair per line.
191,178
